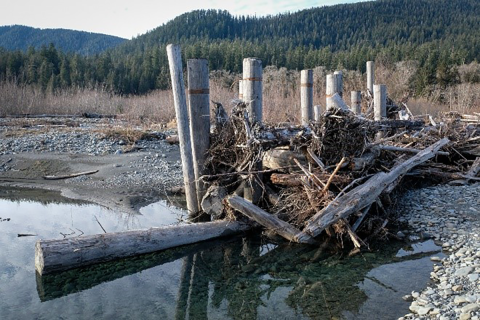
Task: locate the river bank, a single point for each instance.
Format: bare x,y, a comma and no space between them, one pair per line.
449,214
135,173
131,173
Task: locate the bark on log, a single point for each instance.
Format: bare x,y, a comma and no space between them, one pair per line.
267,220
212,201
292,180
365,194
64,254
281,159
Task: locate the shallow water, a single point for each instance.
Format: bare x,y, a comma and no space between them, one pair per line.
238,278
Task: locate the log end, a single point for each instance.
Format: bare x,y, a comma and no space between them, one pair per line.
39,262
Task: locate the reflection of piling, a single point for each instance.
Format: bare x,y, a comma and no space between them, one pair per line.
306,95
199,108
181,111
198,292
182,300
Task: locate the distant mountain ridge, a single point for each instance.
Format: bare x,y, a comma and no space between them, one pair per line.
19,37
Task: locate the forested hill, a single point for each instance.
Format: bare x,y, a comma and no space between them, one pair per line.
438,34
21,38
340,27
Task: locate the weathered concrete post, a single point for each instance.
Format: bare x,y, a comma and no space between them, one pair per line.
330,91
370,76
317,111
199,111
379,101
252,88
181,111
240,89
306,94
356,102
338,75
379,105
252,95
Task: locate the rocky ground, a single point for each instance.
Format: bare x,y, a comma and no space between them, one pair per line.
451,215
130,175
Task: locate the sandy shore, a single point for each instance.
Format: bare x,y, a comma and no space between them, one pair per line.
129,176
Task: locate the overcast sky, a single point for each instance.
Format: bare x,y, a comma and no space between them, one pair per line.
129,18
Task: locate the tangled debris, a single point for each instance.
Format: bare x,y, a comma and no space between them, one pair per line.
334,175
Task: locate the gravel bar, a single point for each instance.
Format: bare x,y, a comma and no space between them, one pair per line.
451,215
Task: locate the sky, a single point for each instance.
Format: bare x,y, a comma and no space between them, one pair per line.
130,18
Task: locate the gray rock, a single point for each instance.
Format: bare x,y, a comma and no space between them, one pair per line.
462,272
473,277
470,308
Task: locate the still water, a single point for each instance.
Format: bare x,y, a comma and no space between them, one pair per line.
239,278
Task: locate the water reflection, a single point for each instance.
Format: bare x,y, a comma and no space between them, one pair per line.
237,278
247,279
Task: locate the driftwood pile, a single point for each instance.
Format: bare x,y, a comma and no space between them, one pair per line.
335,175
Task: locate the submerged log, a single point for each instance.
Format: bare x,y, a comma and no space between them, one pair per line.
365,194
64,254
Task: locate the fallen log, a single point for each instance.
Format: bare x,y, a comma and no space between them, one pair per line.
365,194
68,176
267,220
63,254
407,150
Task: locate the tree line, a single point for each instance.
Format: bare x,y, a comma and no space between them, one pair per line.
438,34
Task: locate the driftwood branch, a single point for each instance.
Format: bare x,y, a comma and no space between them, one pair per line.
68,176
407,150
339,165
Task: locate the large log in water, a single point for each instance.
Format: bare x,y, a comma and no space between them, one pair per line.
365,194
64,254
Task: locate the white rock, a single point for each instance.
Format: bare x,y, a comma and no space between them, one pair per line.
460,299
464,316
470,308
414,307
423,311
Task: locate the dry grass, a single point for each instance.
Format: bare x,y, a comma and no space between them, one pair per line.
281,96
